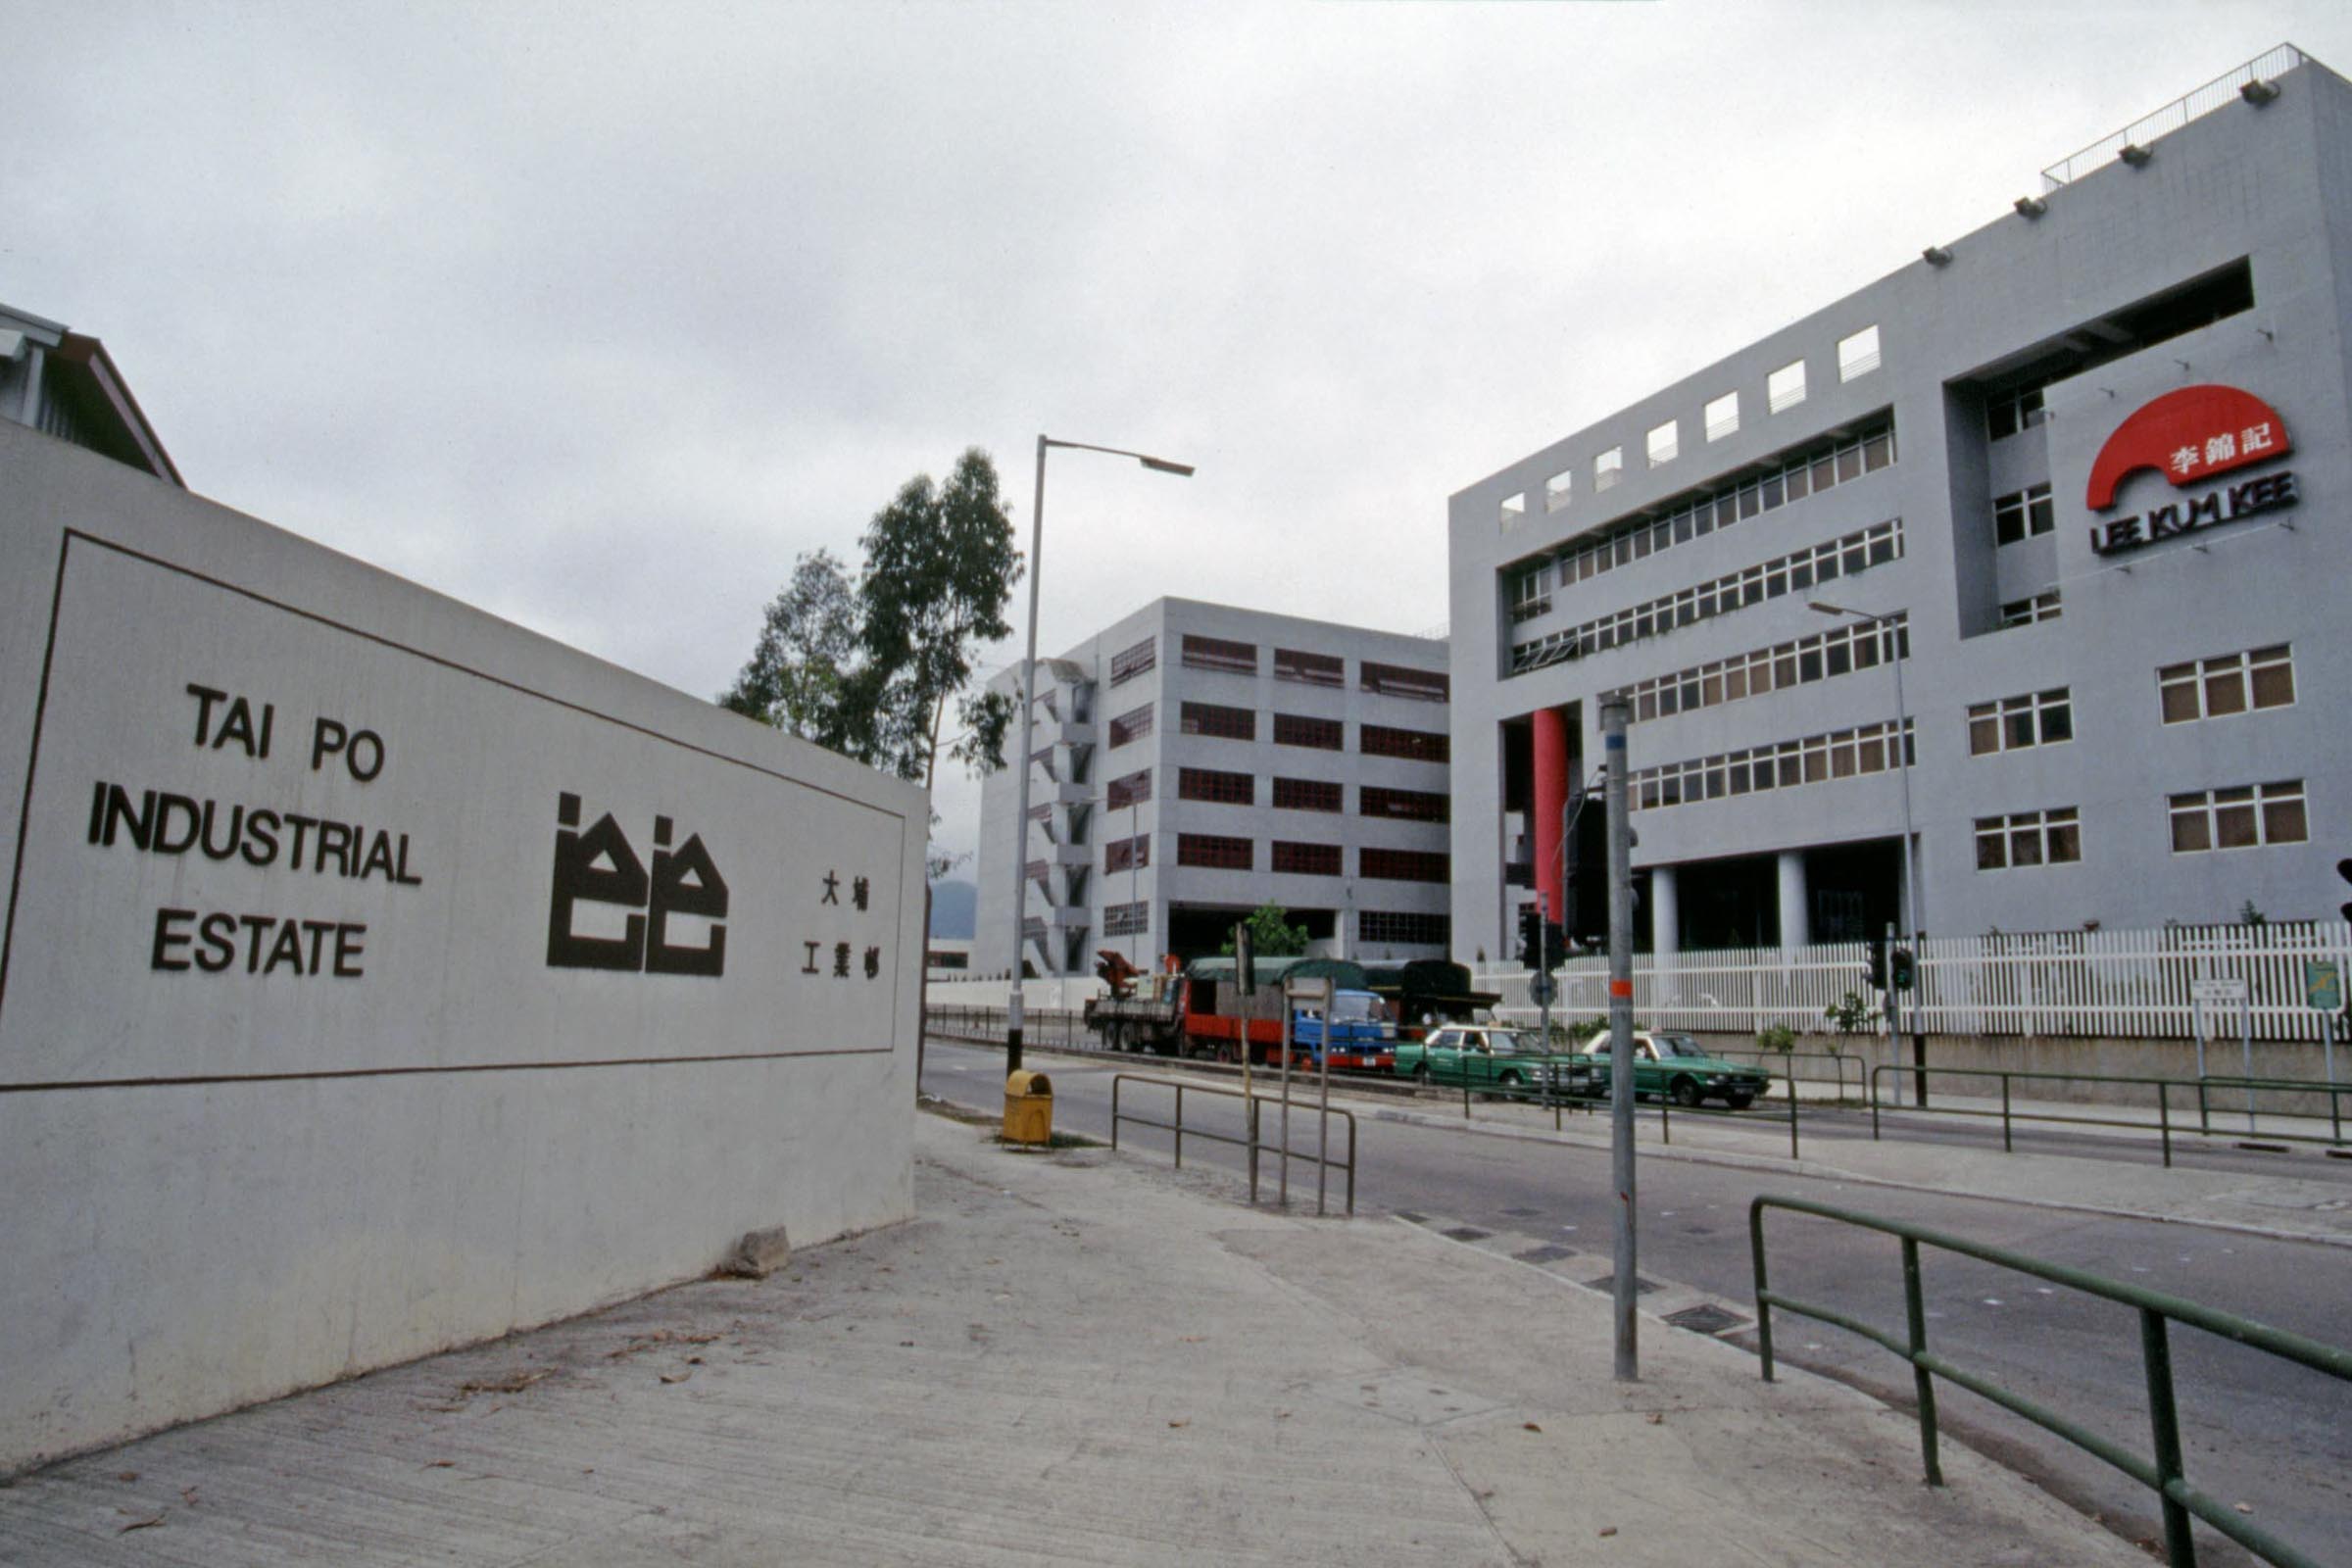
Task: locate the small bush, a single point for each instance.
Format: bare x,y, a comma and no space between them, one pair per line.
1780,1036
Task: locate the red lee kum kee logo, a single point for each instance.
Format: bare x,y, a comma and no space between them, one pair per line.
2189,436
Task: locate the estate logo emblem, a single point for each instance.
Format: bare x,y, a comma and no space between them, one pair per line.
600,867
2188,435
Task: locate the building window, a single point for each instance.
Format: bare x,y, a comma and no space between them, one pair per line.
1132,725
1663,442
1414,744
2232,683
1800,572
1394,680
1403,805
1784,388
2040,719
1404,926
2008,412
1722,417
1306,859
1514,510
1608,468
2025,612
2239,818
1221,789
1216,653
1405,865
1134,662
1856,645
1211,850
1127,854
1786,764
1307,795
1556,489
1130,790
1298,729
1222,722
1858,354
2029,838
1315,670
1787,476
1126,920
1531,594
2023,514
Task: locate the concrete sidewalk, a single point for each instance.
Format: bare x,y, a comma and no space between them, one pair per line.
1066,1358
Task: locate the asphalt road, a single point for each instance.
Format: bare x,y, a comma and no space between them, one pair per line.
2255,1430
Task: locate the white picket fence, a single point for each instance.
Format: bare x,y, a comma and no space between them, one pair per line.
2123,985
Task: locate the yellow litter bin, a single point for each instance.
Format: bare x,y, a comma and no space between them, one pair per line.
1028,1108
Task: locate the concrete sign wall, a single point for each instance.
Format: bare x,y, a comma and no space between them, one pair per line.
376,977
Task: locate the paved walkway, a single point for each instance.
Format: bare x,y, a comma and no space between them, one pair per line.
1065,1358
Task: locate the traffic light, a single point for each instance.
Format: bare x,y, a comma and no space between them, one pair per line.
2343,868
1556,941
1531,931
1900,968
1875,971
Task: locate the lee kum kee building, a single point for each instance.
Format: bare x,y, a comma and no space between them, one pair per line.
2090,460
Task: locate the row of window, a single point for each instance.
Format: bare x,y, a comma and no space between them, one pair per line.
1785,479
1217,853
1221,722
1797,572
2229,683
1783,389
1815,759
1289,663
2025,612
1127,854
1853,646
1132,725
2242,816
2038,718
1313,794
1371,925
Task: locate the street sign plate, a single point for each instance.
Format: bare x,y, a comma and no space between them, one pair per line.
2232,989
1538,989
2323,984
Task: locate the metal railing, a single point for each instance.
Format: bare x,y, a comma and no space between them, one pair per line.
1839,1062
2198,1091
2164,1473
2173,116
1064,1030
1250,1140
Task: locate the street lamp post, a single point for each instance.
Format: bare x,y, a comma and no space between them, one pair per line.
1903,743
1020,826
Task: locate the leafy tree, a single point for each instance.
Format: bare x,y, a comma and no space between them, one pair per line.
940,566
808,647
869,670
1271,934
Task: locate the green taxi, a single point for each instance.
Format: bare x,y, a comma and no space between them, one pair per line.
1493,1058
1679,1068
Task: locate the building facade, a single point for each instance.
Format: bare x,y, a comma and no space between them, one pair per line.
1194,762
64,383
2076,484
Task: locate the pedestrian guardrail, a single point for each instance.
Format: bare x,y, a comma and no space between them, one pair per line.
2170,1092
1063,1030
1546,1097
2163,1473
1249,1140
1839,1062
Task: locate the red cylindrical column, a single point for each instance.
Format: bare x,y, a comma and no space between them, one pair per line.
1551,797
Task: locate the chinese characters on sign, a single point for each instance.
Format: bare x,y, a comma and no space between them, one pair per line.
860,899
2189,436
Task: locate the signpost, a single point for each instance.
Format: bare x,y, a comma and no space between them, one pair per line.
2226,990
2323,990
1316,994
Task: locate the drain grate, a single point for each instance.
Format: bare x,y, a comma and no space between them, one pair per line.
1468,1233
1608,1282
1547,1253
1408,1215
1705,1318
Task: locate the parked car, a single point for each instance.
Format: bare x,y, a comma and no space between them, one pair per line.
1676,1066
1491,1056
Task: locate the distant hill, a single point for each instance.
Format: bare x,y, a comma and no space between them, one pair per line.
954,906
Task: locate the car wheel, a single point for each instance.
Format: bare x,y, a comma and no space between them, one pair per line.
1686,1092
1741,1102
1510,1080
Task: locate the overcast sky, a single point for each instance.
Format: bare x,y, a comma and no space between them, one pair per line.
596,316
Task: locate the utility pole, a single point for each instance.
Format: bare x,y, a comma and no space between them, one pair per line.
1621,1029
1542,980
